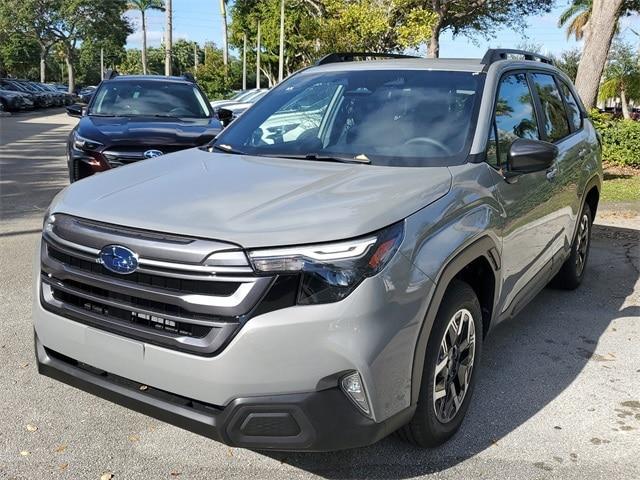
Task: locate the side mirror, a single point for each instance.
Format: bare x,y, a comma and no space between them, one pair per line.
75,110
225,116
526,156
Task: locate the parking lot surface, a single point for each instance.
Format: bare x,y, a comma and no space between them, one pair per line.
558,395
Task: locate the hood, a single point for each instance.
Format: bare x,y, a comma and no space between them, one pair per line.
253,201
143,131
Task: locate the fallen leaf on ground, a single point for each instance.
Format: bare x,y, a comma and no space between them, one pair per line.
174,474
134,438
60,448
31,427
63,466
24,453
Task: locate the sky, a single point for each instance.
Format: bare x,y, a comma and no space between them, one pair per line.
200,20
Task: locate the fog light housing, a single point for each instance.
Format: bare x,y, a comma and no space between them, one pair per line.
353,387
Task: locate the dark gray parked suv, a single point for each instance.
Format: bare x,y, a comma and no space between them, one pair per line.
325,272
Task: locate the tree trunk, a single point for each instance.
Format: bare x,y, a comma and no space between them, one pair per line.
43,64
597,41
225,46
281,51
144,44
168,39
625,106
434,41
70,72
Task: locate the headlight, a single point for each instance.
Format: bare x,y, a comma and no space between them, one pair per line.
81,143
330,272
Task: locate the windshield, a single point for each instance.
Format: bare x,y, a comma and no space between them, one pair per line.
389,117
149,98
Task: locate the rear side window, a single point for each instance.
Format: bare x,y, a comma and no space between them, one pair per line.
515,118
573,111
556,124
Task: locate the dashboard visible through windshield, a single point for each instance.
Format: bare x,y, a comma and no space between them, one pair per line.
383,117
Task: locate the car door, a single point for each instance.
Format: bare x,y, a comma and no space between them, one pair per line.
531,232
560,129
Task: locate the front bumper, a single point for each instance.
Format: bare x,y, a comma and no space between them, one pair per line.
316,421
293,356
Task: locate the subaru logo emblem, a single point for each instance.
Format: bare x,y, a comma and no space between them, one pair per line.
118,259
152,153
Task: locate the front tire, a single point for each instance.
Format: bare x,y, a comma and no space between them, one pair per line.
572,271
448,378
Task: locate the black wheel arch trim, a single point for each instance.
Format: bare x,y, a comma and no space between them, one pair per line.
482,247
594,181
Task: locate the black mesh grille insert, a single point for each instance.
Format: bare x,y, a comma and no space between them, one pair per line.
154,322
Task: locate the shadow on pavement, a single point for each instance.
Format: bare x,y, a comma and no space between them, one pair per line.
528,361
32,171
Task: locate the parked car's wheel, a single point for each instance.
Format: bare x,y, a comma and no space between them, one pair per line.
453,354
572,271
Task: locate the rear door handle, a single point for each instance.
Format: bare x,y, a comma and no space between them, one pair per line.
551,174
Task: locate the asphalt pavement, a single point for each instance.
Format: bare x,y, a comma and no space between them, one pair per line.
558,395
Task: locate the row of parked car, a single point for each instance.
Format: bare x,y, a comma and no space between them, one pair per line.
16,95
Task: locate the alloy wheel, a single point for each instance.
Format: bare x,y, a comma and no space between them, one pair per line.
582,246
454,365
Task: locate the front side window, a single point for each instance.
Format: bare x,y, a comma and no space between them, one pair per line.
515,118
390,117
149,98
556,124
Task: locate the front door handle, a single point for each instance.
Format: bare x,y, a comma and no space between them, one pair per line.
551,174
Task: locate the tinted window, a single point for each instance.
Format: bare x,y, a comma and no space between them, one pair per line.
572,106
149,98
556,125
515,116
391,117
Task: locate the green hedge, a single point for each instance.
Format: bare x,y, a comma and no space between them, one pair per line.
620,139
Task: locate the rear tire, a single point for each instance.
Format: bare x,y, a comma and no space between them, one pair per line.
572,271
448,377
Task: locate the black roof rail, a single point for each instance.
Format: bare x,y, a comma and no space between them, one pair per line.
110,74
351,56
496,54
188,76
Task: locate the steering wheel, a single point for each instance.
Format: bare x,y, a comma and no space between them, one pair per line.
429,141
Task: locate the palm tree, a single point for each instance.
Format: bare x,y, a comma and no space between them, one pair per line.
143,6
225,35
576,17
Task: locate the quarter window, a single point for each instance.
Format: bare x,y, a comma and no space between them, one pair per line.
515,118
572,106
556,125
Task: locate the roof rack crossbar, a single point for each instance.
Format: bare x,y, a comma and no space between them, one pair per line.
351,56
496,54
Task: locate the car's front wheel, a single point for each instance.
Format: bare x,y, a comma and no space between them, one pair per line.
452,357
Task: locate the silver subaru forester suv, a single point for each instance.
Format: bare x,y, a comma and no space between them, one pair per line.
325,271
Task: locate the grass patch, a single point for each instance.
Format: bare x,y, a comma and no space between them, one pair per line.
621,184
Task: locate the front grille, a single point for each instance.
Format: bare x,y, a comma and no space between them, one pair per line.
188,294
167,283
123,155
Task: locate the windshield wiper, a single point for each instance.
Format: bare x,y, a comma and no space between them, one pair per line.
226,149
362,158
